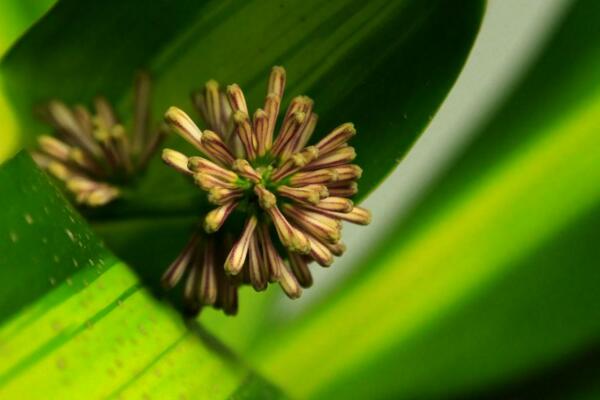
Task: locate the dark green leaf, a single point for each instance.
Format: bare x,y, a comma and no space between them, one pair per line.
384,65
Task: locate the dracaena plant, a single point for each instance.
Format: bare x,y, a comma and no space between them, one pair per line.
487,288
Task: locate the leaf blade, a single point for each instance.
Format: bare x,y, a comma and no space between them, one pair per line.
94,310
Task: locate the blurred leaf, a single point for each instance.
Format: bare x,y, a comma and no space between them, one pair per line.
17,17
75,322
384,65
495,275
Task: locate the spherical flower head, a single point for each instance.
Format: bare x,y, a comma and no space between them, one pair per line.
92,152
293,195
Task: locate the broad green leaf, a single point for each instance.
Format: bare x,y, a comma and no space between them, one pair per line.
384,65
17,17
495,275
76,323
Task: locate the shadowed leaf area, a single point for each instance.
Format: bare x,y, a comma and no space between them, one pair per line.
386,66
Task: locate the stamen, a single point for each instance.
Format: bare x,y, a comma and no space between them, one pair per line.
214,147
177,268
261,130
266,199
229,297
122,146
272,109
289,284
176,160
237,255
319,252
342,155
83,120
333,203
54,147
220,195
322,189
83,160
357,215
337,249
270,255
184,126
103,136
300,269
277,81
336,138
310,194
208,182
199,164
293,119
313,177
306,132
101,196
236,99
257,267
244,168
208,288
79,184
346,190
64,120
191,284
291,125
212,97
306,105
318,225
226,124
105,112
244,131
290,237
295,163
347,172
215,219
41,159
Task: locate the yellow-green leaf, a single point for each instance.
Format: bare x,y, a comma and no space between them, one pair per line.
76,323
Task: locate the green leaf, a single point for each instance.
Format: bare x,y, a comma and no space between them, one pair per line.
75,321
384,65
17,17
494,276
387,80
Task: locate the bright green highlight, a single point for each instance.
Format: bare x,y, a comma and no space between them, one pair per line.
8,139
74,322
457,251
95,344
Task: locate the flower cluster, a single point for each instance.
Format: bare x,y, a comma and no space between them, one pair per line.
282,187
92,153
